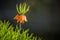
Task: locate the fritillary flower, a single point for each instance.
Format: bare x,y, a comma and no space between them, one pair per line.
20,18
22,9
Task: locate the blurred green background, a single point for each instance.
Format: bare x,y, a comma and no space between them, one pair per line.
43,17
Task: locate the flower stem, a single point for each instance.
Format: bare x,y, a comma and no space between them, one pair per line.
20,25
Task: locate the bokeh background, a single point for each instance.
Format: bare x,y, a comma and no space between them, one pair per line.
43,17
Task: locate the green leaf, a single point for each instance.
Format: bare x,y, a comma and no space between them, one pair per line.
17,8
27,9
23,8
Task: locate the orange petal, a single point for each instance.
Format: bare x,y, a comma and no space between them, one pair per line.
20,18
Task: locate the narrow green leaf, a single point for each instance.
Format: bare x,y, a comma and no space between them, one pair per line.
17,8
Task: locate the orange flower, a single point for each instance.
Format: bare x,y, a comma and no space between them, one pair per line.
20,18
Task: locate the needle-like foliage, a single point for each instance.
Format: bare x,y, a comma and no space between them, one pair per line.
7,32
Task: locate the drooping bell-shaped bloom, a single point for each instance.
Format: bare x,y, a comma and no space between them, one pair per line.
20,18
22,9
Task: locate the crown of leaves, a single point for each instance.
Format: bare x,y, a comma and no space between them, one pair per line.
22,8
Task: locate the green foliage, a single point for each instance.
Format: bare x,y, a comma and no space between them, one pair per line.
7,32
23,8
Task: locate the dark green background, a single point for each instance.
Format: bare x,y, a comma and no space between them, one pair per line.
43,17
